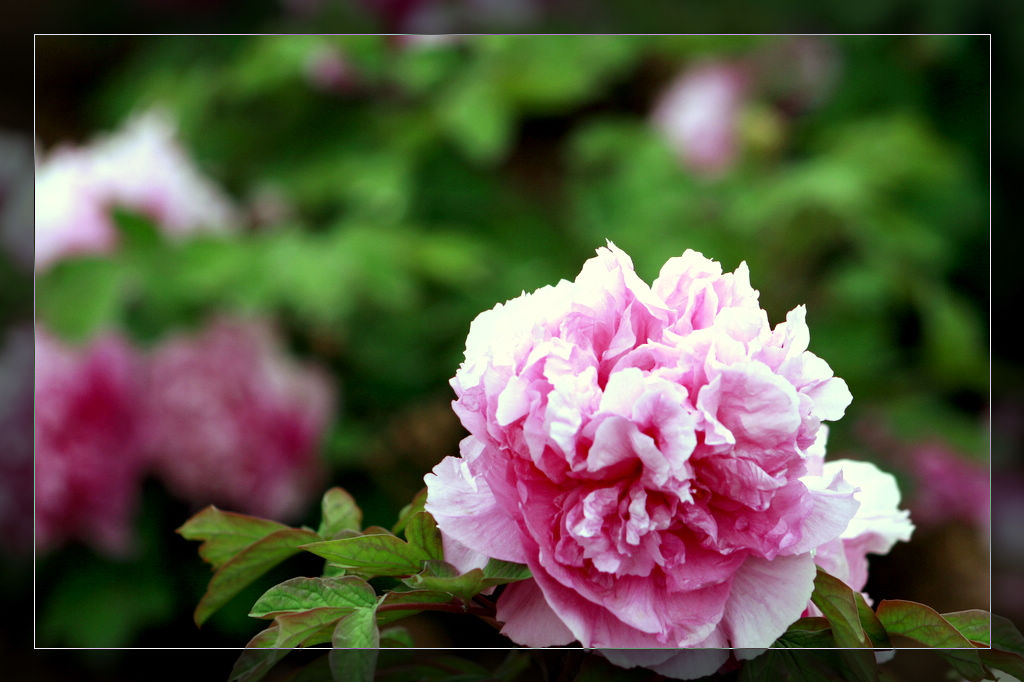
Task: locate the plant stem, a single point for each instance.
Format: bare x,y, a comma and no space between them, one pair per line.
482,612
451,607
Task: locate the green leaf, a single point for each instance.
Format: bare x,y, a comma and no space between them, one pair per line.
357,630
376,530
860,664
333,570
475,117
247,566
811,665
339,512
1006,636
396,637
1003,660
498,572
441,576
857,664
302,594
869,621
410,599
225,534
258,658
421,531
409,510
355,642
920,623
836,601
308,628
137,232
303,629
926,627
807,633
353,665
380,553
1007,652
972,624
76,298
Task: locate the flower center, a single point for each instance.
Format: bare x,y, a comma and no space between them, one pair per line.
615,528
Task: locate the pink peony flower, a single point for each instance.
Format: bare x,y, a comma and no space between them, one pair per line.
231,421
698,114
141,168
88,463
643,450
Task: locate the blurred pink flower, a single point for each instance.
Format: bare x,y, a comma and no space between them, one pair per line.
642,449
948,486
698,114
328,70
88,463
231,421
798,72
141,168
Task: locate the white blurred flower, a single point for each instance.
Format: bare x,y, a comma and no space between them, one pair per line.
141,168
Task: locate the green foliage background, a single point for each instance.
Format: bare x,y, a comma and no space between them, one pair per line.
454,176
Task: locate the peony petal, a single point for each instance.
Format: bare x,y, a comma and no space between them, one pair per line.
465,508
705,659
793,334
621,392
689,664
590,623
513,402
528,619
831,398
613,443
879,516
766,598
758,405
708,400
461,557
630,611
833,504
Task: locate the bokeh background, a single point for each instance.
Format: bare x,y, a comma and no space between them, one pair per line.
257,258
